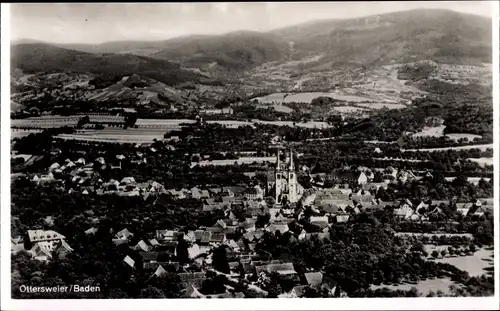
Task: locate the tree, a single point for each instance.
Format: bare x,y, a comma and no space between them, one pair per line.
182,250
219,260
435,253
151,292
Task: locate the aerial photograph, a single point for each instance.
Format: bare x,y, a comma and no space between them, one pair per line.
251,150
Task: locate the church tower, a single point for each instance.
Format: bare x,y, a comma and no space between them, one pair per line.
286,180
292,181
279,179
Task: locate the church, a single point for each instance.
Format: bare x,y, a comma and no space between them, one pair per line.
282,183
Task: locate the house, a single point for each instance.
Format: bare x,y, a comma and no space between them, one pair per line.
253,236
217,237
36,236
422,208
54,166
192,280
92,230
47,243
160,272
248,225
464,211
192,292
16,245
129,261
197,193
479,211
254,193
141,246
277,226
41,251
63,249
124,234
280,268
374,186
362,178
168,235
406,176
321,221
341,218
275,213
194,251
404,211
313,278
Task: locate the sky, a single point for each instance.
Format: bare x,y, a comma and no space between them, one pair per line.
102,22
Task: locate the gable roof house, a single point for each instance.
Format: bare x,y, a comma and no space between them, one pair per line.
124,234
129,261
362,178
167,235
277,226
313,278
321,221
141,246
280,268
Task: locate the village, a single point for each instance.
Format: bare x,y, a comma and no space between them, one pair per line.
280,206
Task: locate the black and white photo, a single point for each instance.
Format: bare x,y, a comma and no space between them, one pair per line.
250,151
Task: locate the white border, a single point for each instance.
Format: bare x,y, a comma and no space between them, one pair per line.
229,304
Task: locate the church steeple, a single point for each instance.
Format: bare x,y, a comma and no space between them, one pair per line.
292,168
278,164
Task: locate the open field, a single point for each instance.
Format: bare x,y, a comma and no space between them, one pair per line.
110,134
431,131
474,264
438,131
382,105
482,161
457,136
430,235
45,122
482,147
348,109
236,123
423,287
308,97
167,123
242,160
18,133
472,180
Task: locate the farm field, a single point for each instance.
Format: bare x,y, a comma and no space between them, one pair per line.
18,133
472,180
382,105
162,122
236,123
349,109
45,122
241,160
482,161
110,134
457,136
399,159
482,147
423,287
438,131
308,97
474,264
429,235
431,131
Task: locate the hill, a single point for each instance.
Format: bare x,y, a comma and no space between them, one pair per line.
39,57
236,50
423,34
233,51
400,37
